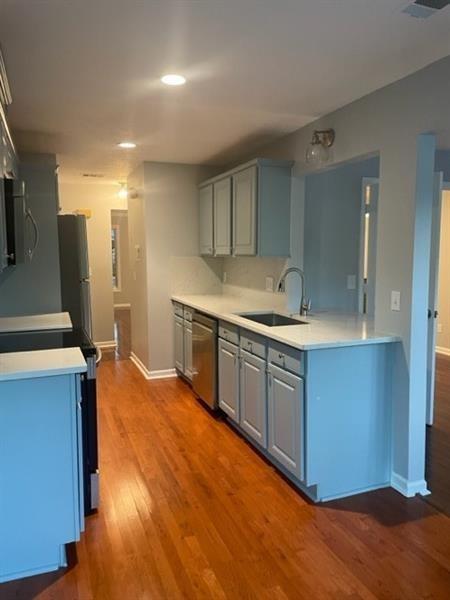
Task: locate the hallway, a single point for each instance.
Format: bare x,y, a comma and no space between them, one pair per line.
189,510
122,336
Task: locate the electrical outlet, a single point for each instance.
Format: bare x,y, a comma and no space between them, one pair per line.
439,328
395,300
269,284
351,282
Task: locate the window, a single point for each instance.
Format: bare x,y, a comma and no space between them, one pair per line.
115,254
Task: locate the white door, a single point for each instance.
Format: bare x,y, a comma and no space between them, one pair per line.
368,248
229,379
433,294
244,212
222,217
206,220
253,397
286,419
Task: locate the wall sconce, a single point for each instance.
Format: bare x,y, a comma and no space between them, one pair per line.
318,150
123,192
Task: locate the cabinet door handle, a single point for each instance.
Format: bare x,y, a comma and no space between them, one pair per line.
269,378
280,355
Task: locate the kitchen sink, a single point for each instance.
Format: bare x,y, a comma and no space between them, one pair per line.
272,319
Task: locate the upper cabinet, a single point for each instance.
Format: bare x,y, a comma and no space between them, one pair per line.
222,217
246,211
206,220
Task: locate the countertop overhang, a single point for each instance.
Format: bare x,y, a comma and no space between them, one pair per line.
42,322
41,363
324,329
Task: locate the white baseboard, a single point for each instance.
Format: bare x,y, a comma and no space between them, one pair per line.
442,350
108,345
124,305
162,374
409,488
140,365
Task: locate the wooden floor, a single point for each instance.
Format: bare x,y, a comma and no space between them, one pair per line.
122,335
189,510
438,440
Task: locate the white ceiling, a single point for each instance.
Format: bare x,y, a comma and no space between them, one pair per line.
85,73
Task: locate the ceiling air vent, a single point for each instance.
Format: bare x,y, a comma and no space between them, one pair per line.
422,9
93,175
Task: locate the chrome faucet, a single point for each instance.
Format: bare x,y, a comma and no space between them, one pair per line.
305,304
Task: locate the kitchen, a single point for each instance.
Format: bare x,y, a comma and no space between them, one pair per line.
318,374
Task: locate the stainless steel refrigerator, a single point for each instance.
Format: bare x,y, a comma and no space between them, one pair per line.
74,267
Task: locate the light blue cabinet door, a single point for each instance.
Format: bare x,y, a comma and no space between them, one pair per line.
229,379
245,212
188,349
3,246
222,217
253,397
286,419
179,343
206,220
39,473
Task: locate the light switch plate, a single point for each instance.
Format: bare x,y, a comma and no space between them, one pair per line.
439,328
351,282
269,284
224,277
395,300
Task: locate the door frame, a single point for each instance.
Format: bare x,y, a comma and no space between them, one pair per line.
365,181
438,188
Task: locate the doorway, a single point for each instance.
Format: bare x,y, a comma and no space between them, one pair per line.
438,397
121,283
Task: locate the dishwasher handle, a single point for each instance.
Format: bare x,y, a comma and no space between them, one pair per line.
205,321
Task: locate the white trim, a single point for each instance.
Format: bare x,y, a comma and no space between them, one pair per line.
162,374
442,350
110,344
124,305
140,365
409,488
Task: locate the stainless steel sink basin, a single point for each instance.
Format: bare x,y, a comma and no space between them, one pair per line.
272,319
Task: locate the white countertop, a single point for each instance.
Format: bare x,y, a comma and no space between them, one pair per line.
41,363
35,322
324,329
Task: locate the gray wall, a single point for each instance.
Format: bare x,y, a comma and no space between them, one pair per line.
34,287
332,233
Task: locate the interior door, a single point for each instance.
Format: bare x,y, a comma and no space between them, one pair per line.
433,294
368,245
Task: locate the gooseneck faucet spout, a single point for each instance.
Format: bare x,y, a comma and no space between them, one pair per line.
305,304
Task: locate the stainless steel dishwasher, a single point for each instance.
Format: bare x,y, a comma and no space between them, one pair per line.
204,358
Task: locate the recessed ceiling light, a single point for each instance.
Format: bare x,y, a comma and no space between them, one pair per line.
127,145
123,192
173,79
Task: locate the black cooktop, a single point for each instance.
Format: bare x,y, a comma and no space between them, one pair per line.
24,341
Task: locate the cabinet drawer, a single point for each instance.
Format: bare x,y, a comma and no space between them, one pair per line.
253,343
229,332
187,313
178,309
286,358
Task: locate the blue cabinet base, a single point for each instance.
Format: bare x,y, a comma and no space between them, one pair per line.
50,559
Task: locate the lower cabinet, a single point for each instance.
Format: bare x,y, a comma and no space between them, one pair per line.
179,344
188,349
229,379
286,419
253,397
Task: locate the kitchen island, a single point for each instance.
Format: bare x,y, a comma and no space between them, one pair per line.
314,398
41,484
